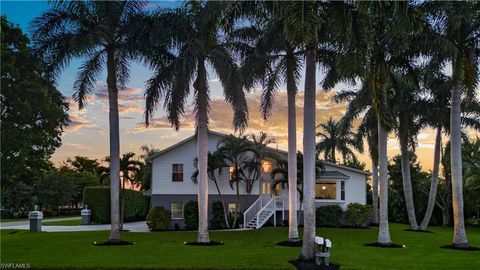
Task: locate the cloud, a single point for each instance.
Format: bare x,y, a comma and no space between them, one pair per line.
77,122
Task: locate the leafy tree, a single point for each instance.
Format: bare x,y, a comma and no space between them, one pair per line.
103,33
33,114
55,190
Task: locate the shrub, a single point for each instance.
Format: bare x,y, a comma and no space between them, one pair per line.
218,218
191,215
328,216
98,200
358,215
158,219
474,222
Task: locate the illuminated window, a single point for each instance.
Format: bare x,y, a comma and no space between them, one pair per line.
177,172
266,166
265,188
268,188
278,190
342,190
231,170
177,210
232,208
326,191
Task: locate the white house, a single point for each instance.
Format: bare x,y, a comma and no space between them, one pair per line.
172,185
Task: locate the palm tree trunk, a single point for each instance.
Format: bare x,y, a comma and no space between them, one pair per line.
225,212
375,191
238,202
406,175
122,204
383,230
459,233
114,147
292,164
309,155
202,154
433,185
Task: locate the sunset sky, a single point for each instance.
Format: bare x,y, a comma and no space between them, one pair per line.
87,134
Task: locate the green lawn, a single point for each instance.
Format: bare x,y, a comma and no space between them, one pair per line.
242,250
11,219
74,222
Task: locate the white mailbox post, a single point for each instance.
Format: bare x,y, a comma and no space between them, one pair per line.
322,250
35,217
86,214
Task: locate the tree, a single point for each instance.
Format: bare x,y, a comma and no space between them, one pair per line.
55,190
102,33
457,25
215,164
196,41
33,115
273,60
337,137
86,165
238,153
144,178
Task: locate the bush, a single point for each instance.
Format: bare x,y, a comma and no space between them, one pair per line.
358,215
191,215
329,216
218,217
158,219
474,222
98,200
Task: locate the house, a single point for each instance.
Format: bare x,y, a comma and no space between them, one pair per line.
172,185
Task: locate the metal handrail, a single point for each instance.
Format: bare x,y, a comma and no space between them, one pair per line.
254,205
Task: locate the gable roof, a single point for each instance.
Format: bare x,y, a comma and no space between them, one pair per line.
172,147
331,175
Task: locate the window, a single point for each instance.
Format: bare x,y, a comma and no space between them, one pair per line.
266,166
232,171
325,191
232,207
278,190
177,210
266,187
177,172
342,190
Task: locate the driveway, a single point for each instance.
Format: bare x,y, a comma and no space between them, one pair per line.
139,226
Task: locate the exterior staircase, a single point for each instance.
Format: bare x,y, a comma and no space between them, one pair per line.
260,212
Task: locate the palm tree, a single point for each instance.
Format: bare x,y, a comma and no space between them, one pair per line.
196,42
101,33
270,61
457,23
337,137
215,164
238,153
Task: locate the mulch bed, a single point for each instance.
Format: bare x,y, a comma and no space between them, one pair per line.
289,244
310,265
211,243
461,248
380,245
420,231
115,243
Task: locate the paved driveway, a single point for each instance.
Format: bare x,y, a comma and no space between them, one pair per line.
140,226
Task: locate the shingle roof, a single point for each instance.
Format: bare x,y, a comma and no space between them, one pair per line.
332,175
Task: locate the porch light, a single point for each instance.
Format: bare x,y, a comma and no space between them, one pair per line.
266,166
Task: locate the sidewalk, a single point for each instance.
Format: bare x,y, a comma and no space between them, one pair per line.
139,226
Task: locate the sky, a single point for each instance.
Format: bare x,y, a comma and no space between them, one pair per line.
87,134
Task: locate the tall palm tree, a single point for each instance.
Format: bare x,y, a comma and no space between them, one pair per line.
239,153
458,24
215,164
196,41
101,33
337,137
270,61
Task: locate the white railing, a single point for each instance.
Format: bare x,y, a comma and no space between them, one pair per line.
270,206
252,211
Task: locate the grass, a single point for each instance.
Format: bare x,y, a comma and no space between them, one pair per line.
242,250
73,222
26,219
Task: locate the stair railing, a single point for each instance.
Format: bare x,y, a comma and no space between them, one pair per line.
251,211
269,205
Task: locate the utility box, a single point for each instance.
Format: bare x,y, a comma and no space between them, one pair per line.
86,214
36,218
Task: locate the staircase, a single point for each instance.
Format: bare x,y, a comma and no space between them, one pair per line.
259,213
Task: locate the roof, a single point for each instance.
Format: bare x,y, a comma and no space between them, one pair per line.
339,166
332,175
161,152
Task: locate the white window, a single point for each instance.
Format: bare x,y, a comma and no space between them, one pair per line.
232,207
177,210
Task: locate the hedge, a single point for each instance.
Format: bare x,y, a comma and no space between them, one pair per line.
98,200
328,216
358,215
191,215
158,219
